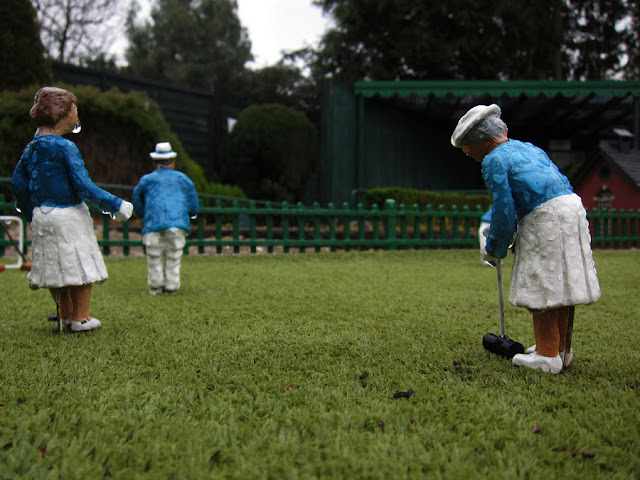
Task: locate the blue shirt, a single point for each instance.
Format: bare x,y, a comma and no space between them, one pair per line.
165,198
519,176
51,173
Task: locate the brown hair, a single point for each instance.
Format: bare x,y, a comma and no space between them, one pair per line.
50,105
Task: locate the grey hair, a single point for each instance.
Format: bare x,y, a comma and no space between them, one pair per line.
487,129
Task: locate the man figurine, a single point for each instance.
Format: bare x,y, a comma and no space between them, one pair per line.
166,200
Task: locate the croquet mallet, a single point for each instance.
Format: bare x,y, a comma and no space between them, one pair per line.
501,345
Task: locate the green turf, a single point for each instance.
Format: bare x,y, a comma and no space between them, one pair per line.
286,367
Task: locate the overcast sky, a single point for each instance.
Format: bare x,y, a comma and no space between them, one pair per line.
273,26
276,25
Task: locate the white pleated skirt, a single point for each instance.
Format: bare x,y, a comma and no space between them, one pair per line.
554,265
65,250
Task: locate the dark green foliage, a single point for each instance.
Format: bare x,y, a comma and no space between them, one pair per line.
118,132
410,197
271,153
195,44
22,54
475,39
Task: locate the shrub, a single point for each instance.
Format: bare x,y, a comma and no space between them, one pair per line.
271,152
118,132
410,197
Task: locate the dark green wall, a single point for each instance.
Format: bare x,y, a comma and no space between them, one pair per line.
375,142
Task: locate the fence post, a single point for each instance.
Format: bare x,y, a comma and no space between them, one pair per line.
316,226
301,235
331,218
390,226
269,227
416,222
125,238
252,225
455,224
375,219
105,233
236,226
361,225
429,220
346,220
285,225
201,234
218,228
403,224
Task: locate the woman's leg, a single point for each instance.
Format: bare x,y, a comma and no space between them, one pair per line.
63,300
547,333
81,298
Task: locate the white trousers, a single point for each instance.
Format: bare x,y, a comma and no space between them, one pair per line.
164,252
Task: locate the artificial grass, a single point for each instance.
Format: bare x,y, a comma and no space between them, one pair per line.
286,367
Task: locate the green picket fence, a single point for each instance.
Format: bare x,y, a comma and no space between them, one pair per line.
234,228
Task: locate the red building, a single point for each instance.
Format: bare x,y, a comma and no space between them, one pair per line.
612,180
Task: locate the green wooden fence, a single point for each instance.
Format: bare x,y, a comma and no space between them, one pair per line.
230,227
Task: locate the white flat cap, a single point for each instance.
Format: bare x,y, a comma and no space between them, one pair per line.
472,118
163,152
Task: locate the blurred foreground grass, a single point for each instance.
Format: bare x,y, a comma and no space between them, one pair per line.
286,367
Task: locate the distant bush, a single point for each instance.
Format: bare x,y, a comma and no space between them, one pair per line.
221,190
271,152
118,132
410,197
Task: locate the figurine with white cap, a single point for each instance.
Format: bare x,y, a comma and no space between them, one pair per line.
50,184
553,268
166,199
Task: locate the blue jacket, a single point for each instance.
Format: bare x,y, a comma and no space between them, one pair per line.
165,198
520,177
51,173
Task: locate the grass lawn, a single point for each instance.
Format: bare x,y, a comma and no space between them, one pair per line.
286,367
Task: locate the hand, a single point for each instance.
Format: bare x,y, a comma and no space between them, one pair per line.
485,231
125,212
490,259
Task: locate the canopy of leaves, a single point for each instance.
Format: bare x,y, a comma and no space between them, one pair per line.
22,54
118,132
271,153
192,43
474,39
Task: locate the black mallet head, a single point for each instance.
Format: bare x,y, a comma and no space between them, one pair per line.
503,346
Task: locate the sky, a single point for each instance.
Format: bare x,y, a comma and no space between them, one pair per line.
276,25
273,26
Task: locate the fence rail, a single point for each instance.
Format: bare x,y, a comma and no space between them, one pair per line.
231,228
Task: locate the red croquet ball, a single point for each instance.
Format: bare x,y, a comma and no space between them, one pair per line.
2,267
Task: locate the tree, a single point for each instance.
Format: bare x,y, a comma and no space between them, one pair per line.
472,39
192,43
22,55
271,153
76,31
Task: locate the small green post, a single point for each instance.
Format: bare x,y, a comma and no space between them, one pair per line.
390,227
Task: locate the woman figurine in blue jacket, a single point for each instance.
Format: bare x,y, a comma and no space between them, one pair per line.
165,199
50,184
553,268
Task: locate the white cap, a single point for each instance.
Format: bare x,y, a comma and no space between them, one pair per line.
163,152
471,119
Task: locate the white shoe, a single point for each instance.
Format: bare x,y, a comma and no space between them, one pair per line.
532,349
156,291
538,362
85,325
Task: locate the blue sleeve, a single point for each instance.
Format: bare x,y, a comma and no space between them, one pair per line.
138,199
21,193
503,210
85,186
192,198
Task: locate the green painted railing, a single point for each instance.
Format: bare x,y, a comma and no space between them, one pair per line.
286,228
